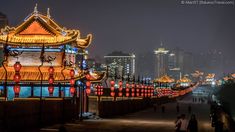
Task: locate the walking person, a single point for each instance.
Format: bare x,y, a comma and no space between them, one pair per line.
183,123
177,124
193,125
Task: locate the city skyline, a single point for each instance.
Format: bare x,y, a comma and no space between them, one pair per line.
139,27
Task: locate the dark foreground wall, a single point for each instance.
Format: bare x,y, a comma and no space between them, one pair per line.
27,114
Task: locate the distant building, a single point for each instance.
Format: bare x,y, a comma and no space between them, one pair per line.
161,65
120,64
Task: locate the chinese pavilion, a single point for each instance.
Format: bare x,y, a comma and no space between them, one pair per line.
40,59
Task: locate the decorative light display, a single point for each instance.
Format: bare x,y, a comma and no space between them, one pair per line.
72,82
133,90
17,77
51,80
137,90
88,87
112,92
120,88
127,89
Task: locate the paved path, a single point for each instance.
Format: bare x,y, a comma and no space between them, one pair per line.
147,120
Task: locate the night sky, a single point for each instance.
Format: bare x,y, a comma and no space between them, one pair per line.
139,26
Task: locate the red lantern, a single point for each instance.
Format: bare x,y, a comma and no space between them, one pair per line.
17,90
51,80
51,90
112,83
120,89
51,70
112,88
88,83
127,94
120,83
133,85
72,90
127,85
72,81
120,94
132,94
72,73
132,90
112,94
137,86
127,89
88,91
17,66
17,77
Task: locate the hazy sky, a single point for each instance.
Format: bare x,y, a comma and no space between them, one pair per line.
139,25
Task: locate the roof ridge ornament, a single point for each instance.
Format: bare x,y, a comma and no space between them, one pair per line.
48,13
36,10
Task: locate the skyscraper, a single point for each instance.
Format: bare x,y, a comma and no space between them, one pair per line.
161,62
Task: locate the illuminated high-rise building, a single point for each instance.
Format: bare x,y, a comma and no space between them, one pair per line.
161,62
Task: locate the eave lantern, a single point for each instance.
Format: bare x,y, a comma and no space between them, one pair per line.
112,92
88,87
127,89
72,82
120,89
51,80
17,77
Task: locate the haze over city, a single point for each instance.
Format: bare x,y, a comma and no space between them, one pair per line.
139,27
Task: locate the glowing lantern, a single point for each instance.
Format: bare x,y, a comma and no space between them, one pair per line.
17,66
112,83
120,83
16,90
88,91
127,94
72,90
51,70
51,90
112,88
72,81
88,83
112,94
72,73
120,94
17,77
51,80
132,94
